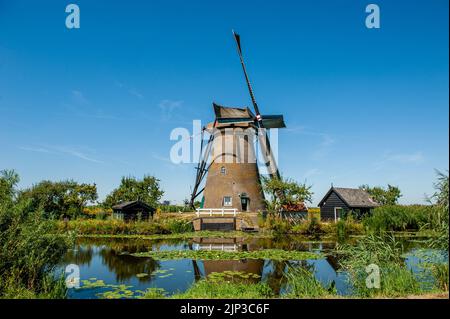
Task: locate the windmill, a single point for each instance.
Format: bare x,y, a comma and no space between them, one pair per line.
232,175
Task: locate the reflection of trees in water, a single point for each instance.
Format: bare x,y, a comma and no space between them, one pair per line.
81,255
126,266
131,245
291,243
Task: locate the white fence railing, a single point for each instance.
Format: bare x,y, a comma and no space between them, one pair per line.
216,211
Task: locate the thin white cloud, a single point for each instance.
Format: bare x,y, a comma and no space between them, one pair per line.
168,107
34,149
136,93
131,90
323,147
311,172
61,150
161,158
415,158
78,97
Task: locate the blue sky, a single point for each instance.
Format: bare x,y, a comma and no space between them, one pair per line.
362,106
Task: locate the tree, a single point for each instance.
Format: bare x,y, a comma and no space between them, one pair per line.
293,192
8,182
56,199
147,190
383,196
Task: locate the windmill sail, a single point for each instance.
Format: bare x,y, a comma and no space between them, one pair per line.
272,121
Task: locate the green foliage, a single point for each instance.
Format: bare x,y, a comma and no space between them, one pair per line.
400,218
301,283
147,190
383,196
348,226
385,252
372,249
174,208
293,191
441,216
28,254
8,182
222,289
274,254
277,224
58,199
112,227
440,274
312,228
177,226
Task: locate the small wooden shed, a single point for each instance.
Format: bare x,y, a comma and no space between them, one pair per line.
134,210
338,201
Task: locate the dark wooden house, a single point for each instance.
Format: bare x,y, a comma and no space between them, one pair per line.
339,201
135,210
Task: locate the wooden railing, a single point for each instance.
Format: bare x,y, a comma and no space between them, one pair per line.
216,211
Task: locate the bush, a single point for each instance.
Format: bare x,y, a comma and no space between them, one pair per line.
29,255
312,228
177,226
400,218
347,227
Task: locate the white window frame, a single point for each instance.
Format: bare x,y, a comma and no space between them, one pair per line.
335,214
230,202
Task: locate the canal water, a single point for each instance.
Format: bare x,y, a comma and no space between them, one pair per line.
108,270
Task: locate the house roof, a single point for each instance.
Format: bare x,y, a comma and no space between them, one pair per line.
352,197
132,204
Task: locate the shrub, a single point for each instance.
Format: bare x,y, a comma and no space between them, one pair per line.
312,228
347,227
399,218
29,254
176,226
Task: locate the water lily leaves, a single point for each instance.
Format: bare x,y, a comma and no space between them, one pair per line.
274,254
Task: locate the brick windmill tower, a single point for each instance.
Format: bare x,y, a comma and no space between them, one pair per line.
228,160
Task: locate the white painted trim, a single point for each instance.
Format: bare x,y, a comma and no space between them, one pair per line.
216,211
335,213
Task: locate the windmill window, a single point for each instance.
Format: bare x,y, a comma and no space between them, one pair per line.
227,201
223,170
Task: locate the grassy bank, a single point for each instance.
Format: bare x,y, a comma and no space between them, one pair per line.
118,227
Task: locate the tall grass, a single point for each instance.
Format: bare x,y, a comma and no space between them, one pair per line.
440,274
221,289
29,255
401,218
385,252
301,283
118,227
